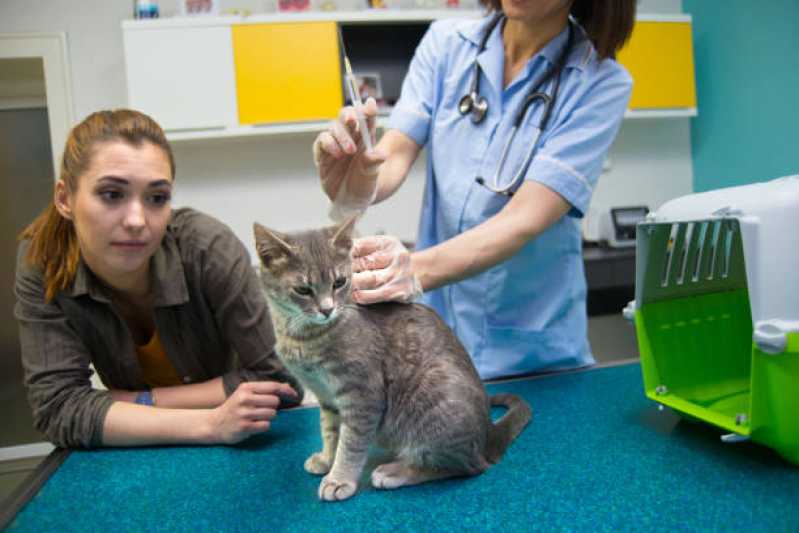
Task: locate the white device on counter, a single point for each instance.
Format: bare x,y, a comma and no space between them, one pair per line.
617,226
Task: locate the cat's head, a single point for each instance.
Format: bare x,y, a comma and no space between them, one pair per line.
307,275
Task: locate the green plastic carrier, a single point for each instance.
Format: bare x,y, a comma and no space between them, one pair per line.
716,310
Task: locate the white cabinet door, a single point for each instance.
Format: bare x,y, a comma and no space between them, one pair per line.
182,77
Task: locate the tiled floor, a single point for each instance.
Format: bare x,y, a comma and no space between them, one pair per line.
612,338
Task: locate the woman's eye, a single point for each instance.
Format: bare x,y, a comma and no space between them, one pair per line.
111,195
160,199
303,290
340,282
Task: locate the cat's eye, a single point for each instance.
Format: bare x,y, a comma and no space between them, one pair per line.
340,282
303,290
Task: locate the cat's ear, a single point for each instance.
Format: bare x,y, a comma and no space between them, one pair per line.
342,234
272,247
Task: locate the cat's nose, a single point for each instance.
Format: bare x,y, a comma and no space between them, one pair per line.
326,306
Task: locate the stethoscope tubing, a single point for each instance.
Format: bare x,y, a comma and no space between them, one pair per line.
517,178
469,103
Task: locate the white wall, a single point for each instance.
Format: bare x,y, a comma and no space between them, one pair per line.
275,183
271,179
650,163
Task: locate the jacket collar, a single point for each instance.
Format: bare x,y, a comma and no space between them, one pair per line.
166,275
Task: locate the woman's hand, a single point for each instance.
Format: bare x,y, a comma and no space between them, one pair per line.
249,410
382,271
348,173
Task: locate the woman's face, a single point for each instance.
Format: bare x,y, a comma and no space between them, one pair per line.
120,210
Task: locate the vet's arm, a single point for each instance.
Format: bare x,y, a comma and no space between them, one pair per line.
355,178
530,211
386,271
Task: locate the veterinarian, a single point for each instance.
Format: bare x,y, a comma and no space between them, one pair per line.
517,111
165,304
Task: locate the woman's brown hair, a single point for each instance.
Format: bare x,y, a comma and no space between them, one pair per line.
608,23
53,242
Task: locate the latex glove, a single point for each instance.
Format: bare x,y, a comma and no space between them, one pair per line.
382,271
347,172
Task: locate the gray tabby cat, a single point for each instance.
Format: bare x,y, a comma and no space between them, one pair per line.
392,374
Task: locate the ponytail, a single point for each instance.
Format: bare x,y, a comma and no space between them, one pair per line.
54,248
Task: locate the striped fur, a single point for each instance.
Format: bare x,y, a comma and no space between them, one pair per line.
391,374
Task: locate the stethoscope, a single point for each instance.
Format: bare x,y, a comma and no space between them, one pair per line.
477,107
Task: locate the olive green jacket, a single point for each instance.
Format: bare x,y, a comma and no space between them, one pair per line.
210,314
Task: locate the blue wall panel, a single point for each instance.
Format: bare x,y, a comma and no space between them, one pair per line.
747,77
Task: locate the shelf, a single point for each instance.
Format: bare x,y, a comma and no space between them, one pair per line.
246,131
319,125
250,131
22,102
362,16
359,16
660,113
355,22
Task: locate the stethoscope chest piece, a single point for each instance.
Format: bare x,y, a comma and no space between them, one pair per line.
475,106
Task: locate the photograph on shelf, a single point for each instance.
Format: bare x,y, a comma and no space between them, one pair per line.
293,5
368,84
199,7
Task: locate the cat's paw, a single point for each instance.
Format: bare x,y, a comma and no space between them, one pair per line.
317,464
332,490
389,476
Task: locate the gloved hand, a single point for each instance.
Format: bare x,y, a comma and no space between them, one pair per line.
382,271
347,172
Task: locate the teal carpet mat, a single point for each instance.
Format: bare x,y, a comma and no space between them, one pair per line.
597,456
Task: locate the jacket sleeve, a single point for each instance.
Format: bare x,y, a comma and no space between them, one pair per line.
241,313
66,409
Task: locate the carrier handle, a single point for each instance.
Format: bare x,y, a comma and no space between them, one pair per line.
770,338
629,311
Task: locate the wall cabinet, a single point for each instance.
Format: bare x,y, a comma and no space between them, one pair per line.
286,71
659,56
208,77
182,76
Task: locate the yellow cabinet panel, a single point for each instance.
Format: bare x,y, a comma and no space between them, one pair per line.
287,72
660,59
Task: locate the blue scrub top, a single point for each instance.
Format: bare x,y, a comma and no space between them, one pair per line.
528,313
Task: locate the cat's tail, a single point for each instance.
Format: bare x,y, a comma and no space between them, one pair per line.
508,427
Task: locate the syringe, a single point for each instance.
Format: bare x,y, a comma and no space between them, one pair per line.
355,97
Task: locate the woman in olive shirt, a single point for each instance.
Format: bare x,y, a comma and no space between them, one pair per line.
164,303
